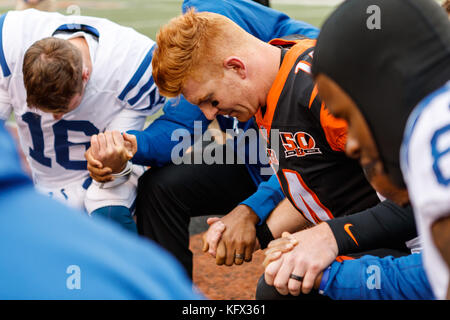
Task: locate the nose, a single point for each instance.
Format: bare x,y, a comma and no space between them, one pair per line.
210,112
352,148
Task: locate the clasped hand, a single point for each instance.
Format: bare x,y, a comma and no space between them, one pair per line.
109,153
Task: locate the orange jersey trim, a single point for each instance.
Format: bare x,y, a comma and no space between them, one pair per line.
289,60
284,42
313,96
335,129
343,258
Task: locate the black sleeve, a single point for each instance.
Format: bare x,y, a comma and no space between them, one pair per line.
386,225
264,235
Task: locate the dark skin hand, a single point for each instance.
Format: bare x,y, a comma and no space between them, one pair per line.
239,236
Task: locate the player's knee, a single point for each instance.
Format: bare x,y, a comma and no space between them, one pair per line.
267,292
150,182
118,214
145,180
159,182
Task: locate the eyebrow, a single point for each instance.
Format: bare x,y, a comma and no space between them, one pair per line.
204,99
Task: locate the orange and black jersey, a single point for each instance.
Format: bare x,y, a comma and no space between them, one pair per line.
313,170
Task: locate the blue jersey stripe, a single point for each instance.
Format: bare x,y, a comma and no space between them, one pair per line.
138,74
6,71
73,27
87,183
152,101
144,89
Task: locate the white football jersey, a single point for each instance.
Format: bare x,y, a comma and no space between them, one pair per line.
119,94
425,161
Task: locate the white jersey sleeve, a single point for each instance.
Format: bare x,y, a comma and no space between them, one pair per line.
5,101
127,119
140,93
5,104
118,96
425,161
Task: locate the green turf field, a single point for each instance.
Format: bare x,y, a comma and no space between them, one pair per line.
146,16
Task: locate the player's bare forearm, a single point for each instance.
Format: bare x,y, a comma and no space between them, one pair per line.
285,218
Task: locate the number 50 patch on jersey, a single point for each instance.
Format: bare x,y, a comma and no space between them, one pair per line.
299,144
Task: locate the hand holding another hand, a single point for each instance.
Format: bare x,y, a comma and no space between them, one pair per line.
279,246
109,153
232,238
315,251
212,237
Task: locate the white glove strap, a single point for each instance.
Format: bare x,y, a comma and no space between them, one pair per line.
119,178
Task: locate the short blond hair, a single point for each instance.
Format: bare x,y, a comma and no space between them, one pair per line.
188,44
52,74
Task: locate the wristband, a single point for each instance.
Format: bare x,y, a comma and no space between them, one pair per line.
125,171
324,280
119,178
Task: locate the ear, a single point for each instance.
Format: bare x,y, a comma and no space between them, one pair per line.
236,64
86,74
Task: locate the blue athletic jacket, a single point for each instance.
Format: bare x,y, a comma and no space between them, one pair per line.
374,278
49,251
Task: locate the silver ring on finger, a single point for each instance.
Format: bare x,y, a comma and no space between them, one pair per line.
239,256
